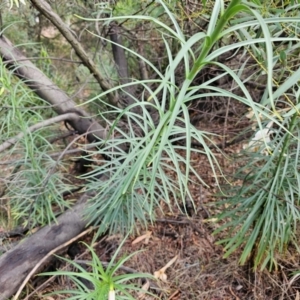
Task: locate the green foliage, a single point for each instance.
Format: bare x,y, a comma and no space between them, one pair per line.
157,166
262,215
34,186
140,179
17,3
44,62
143,177
263,212
107,284
126,7
214,32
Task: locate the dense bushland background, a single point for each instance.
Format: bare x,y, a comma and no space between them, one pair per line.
172,115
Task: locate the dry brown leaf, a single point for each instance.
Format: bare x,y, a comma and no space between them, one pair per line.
160,274
145,237
145,288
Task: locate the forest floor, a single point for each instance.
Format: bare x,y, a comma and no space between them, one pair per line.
199,269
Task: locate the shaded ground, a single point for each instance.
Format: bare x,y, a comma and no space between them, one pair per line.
200,271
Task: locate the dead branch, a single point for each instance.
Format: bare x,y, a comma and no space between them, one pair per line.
16,264
45,9
45,123
47,90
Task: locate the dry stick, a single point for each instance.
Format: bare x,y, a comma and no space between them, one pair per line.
62,136
47,90
45,9
55,154
175,294
65,267
46,257
14,140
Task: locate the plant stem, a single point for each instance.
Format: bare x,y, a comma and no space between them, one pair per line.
233,8
286,140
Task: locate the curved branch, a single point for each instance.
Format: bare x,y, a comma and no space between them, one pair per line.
19,261
14,140
45,9
47,90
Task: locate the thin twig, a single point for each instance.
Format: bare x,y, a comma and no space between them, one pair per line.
14,140
65,267
45,9
55,154
46,257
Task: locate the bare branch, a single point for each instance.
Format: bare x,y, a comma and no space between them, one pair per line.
14,140
19,261
45,9
53,155
47,90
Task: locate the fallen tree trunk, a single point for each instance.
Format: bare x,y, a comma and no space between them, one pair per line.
45,9
19,261
47,90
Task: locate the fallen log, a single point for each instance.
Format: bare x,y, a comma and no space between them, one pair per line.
19,261
36,80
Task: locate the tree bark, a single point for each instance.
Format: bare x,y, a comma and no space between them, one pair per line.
47,90
45,9
128,96
19,261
